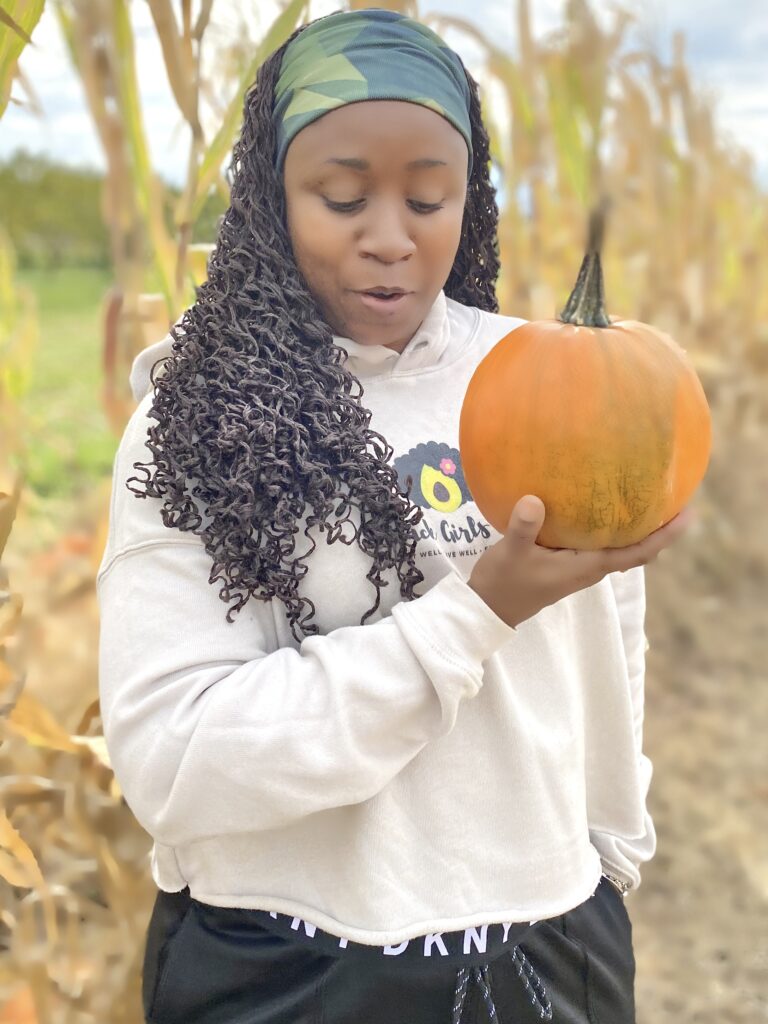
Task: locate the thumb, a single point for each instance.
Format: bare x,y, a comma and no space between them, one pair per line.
526,519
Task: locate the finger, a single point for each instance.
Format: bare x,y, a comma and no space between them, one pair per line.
646,550
526,520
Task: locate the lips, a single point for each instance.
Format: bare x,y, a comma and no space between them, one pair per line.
391,304
380,292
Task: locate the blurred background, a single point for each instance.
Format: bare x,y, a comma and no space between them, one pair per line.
118,117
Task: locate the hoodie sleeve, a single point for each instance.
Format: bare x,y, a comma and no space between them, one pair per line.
212,729
623,856
151,357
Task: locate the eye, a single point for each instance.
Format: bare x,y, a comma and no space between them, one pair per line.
343,207
425,207
355,205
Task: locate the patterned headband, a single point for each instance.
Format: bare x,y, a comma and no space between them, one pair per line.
370,54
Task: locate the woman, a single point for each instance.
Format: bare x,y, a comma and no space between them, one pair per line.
408,810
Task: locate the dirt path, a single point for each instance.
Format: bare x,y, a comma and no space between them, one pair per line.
701,915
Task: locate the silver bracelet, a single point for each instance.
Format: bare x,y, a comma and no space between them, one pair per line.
618,883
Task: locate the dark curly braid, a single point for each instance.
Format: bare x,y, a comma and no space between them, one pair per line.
258,421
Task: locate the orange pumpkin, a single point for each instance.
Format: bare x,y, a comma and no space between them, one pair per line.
605,421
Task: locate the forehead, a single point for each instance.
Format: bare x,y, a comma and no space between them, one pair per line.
371,128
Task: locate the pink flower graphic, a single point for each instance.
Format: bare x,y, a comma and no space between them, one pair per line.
448,466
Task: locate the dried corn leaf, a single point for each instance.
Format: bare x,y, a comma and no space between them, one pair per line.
181,75
7,677
18,859
91,713
97,746
13,872
27,787
10,613
9,503
33,722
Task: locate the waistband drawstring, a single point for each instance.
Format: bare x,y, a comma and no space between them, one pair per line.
529,977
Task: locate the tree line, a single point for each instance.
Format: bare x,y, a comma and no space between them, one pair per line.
52,213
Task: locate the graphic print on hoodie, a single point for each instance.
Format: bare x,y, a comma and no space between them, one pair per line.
434,472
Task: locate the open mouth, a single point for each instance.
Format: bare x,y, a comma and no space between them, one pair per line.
383,302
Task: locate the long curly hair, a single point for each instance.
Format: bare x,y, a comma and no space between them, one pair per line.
258,421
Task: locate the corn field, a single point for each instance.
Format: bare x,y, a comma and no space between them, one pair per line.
573,116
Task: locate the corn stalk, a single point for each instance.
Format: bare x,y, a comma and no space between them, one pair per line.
584,116
101,43
18,340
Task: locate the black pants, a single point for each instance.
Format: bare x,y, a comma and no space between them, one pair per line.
211,965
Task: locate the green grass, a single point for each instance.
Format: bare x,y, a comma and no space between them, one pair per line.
69,442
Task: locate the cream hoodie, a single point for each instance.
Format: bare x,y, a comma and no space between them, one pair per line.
430,771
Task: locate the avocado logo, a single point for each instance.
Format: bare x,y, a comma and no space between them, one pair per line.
434,471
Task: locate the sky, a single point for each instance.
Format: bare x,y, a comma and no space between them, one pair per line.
726,55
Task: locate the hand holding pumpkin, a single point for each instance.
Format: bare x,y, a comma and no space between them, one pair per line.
516,577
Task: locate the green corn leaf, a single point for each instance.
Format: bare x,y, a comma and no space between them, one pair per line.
21,17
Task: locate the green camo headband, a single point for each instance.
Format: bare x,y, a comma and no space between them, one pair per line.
370,54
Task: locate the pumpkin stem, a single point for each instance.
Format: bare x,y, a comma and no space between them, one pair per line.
586,306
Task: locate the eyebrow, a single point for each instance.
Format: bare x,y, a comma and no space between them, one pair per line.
357,164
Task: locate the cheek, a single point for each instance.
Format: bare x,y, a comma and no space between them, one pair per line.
443,241
314,237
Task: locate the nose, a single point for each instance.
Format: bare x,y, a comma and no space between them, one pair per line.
385,233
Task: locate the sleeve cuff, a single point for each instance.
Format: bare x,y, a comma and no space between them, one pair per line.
456,621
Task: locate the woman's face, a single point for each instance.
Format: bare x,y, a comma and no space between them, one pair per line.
375,195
